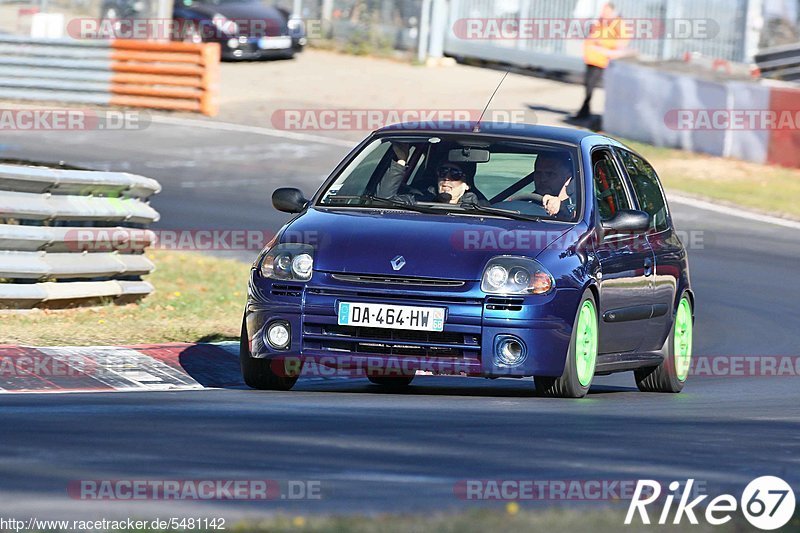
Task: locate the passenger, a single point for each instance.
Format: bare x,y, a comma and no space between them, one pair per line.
454,182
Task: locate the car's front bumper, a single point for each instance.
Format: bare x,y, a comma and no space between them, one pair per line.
247,48
466,346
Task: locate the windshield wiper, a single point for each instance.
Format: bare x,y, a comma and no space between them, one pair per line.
369,200
388,202
515,215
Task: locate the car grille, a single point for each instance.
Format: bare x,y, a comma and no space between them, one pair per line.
279,289
495,303
378,341
416,299
397,280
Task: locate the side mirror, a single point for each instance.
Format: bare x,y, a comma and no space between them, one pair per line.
289,200
627,221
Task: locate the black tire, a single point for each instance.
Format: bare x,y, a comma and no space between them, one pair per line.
568,385
664,377
394,383
258,373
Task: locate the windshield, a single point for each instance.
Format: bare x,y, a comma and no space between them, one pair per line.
463,174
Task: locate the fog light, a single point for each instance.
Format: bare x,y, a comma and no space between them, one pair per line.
278,335
509,351
233,43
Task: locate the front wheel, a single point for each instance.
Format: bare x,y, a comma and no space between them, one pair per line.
258,373
581,358
671,374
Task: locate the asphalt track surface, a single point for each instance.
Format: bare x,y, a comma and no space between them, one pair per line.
375,451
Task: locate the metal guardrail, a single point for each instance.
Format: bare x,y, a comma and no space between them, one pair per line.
56,228
131,73
780,62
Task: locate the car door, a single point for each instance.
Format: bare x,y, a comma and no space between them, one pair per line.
668,250
626,263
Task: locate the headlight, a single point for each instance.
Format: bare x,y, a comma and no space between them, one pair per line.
516,275
288,261
295,24
224,25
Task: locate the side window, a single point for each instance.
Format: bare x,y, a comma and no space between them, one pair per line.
647,189
609,188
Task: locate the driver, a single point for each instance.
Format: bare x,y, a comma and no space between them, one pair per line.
552,176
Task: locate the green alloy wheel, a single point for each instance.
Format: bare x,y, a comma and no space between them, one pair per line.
671,374
581,359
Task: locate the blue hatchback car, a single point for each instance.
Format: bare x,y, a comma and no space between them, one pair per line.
491,250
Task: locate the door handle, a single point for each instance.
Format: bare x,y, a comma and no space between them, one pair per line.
648,267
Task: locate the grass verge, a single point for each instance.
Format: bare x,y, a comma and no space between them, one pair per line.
768,189
197,298
513,520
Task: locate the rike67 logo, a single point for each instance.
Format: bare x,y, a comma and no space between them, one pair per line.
767,502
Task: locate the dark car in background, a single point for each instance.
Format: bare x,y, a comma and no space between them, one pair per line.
245,29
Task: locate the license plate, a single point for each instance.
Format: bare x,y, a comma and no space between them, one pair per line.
275,43
391,316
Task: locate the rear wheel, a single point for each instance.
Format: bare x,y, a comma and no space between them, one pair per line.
259,373
581,358
395,383
671,374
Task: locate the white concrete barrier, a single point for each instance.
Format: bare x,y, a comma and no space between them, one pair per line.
54,225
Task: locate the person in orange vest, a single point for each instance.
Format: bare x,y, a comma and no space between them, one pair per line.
607,40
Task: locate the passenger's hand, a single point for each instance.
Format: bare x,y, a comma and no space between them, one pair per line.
401,151
551,204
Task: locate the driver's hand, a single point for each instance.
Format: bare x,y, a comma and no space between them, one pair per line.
551,204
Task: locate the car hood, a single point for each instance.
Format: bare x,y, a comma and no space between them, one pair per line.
244,13
433,246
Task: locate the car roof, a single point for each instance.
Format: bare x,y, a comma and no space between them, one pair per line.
532,131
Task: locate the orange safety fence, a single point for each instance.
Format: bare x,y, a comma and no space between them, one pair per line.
165,75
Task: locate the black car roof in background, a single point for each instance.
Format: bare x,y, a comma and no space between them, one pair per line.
553,133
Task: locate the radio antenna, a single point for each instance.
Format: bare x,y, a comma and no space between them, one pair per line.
477,127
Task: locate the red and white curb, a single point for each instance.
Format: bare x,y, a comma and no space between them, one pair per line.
152,367
147,367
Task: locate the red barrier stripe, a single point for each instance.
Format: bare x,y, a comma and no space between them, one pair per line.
155,57
156,46
158,91
156,68
784,144
156,79
155,103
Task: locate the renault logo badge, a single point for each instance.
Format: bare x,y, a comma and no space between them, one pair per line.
398,262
